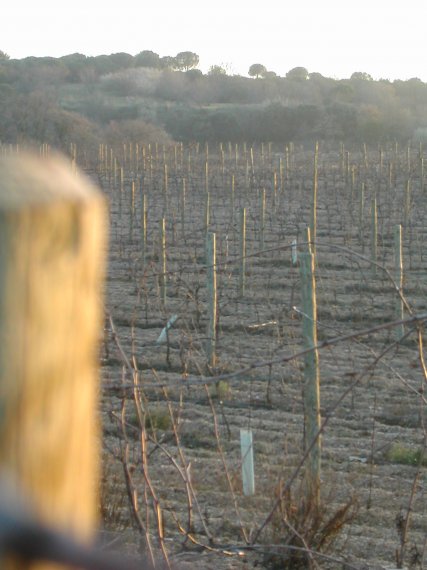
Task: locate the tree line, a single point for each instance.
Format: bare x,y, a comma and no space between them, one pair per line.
163,98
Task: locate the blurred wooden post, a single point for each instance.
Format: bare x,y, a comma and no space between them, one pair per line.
52,246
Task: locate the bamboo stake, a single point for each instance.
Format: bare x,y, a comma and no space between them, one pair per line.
242,269
132,209
311,378
207,212
361,211
121,192
165,188
313,222
143,228
374,236
398,264
262,220
212,298
233,200
162,277
407,204
183,207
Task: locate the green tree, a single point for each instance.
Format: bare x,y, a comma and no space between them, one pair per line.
3,55
147,58
186,60
361,76
257,70
75,63
269,74
217,70
121,60
102,64
194,74
298,73
168,62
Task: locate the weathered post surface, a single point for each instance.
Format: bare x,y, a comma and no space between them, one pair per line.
52,245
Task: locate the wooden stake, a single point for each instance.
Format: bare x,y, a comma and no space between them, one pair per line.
361,211
398,264
162,277
212,298
242,269
374,234
311,377
143,228
313,222
183,207
262,219
207,212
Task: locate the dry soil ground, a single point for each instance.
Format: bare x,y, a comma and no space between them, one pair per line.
372,439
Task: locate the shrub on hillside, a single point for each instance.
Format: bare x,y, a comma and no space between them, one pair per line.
99,108
36,118
136,131
135,81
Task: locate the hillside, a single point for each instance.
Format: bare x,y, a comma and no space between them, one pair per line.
123,97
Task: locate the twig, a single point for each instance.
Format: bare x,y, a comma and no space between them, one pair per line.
197,381
319,432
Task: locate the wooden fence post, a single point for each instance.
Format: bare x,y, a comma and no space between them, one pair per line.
52,245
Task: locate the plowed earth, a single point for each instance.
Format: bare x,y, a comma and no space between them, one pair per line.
372,439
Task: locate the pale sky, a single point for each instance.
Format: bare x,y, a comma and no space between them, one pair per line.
385,38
